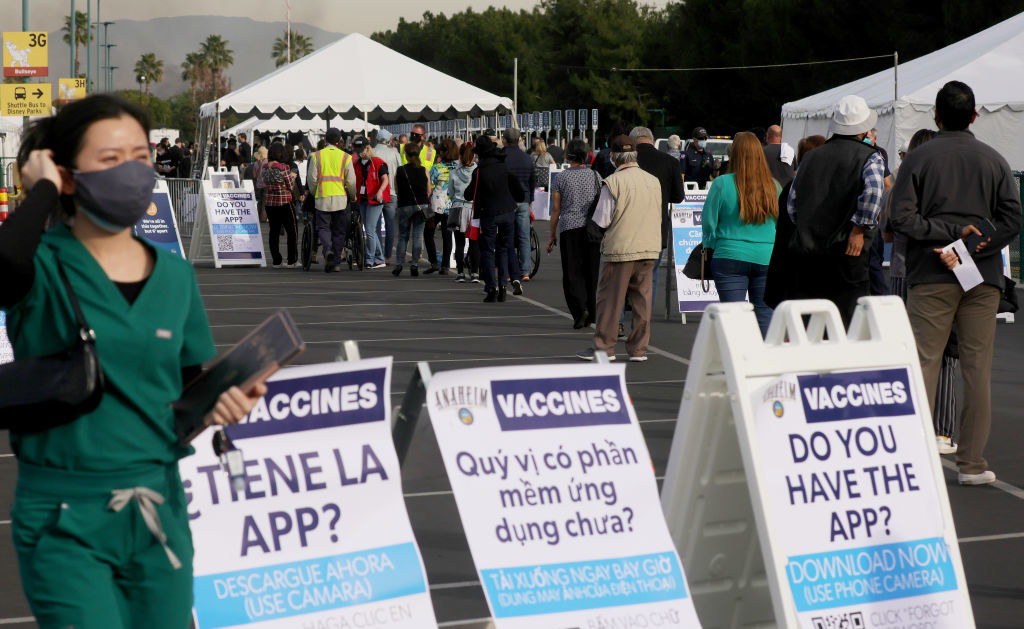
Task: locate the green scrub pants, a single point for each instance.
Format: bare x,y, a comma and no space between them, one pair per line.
86,566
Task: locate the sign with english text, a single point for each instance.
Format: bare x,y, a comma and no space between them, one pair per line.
557,497
158,225
319,535
687,233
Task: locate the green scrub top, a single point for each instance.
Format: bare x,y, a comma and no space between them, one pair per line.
142,348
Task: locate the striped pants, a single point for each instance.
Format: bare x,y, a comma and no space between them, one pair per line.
944,414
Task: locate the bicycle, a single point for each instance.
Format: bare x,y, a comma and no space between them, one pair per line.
355,241
306,245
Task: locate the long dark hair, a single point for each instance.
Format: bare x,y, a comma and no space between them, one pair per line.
412,155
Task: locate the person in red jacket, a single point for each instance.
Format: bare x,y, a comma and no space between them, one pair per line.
373,190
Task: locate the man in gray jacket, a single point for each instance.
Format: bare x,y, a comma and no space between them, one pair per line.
946,189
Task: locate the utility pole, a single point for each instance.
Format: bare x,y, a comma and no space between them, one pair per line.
88,48
515,87
97,45
288,27
73,24
108,76
24,27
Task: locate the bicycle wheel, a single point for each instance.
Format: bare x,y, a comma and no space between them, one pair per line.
357,250
534,253
306,246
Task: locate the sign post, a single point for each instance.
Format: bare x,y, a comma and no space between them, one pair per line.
25,53
317,534
557,496
558,126
582,122
593,132
810,458
570,123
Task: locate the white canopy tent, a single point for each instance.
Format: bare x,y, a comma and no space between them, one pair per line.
991,62
276,125
355,77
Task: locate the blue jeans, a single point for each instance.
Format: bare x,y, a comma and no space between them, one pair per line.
734,279
370,214
496,247
410,223
522,241
388,221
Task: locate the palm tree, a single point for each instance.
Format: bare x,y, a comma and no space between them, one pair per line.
192,70
84,33
301,46
218,57
149,69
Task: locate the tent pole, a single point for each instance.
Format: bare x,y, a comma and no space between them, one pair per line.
515,84
216,137
895,78
366,124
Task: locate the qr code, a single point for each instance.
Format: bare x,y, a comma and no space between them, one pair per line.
225,242
851,620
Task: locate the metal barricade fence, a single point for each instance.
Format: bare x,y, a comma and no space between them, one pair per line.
185,201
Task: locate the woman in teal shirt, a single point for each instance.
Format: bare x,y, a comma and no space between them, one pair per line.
739,224
99,520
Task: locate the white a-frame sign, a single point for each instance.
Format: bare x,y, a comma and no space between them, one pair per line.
804,487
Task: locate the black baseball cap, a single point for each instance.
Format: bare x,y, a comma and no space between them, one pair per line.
623,144
333,135
700,133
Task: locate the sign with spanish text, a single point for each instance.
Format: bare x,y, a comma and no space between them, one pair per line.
25,99
850,499
25,53
687,233
557,496
319,535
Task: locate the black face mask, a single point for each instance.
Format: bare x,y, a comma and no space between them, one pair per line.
116,198
415,138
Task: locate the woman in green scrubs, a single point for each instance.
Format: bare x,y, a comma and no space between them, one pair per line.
99,519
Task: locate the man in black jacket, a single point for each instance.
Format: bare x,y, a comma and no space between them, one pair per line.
947,188
780,169
667,169
496,193
520,165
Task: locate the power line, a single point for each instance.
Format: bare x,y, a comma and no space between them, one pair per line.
753,67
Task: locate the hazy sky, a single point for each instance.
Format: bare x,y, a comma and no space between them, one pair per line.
342,16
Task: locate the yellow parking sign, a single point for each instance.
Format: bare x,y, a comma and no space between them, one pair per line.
27,99
70,89
25,53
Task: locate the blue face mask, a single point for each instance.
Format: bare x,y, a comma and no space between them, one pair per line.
702,143
867,140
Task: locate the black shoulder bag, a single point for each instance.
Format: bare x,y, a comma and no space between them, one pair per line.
595,233
42,392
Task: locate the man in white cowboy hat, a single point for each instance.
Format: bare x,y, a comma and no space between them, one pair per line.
834,202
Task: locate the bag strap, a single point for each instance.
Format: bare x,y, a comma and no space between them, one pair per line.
85,333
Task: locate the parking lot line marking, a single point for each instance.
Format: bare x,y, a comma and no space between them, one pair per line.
24,620
4,456
460,623
454,586
650,348
1016,492
415,320
5,521
389,305
333,292
491,358
433,338
990,538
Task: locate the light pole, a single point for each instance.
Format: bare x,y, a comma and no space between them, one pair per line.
140,79
288,27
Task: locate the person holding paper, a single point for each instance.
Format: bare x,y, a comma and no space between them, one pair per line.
947,188
99,497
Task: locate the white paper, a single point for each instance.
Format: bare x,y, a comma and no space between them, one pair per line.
966,271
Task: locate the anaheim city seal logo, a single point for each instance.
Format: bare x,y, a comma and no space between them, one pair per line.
464,398
465,416
778,409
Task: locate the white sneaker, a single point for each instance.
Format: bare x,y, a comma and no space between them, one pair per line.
293,265
945,445
379,265
589,355
276,266
642,358
985,478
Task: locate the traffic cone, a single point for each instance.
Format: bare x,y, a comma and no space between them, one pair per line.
3,204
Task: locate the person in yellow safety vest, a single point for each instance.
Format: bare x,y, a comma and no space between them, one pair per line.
331,179
427,153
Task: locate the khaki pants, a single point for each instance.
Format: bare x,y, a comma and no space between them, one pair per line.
620,281
932,309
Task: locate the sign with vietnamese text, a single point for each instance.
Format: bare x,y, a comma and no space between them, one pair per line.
319,535
555,489
687,233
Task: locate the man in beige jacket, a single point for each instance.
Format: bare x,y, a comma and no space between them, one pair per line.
630,210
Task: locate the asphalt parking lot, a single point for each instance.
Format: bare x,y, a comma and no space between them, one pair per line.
433,319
